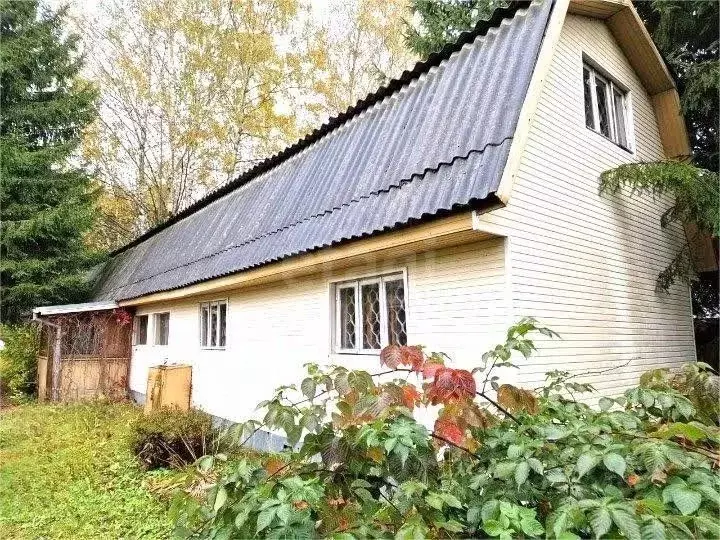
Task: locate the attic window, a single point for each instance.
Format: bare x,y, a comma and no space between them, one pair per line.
606,107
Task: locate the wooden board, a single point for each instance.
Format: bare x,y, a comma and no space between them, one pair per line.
168,387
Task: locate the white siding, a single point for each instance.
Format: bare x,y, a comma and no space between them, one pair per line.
456,304
586,265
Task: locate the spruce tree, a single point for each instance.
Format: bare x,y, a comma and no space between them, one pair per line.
46,203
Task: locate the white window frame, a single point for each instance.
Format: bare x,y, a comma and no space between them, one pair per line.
611,86
356,284
155,317
136,328
209,303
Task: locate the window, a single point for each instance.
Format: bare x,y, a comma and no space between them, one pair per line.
606,107
141,329
161,321
213,324
369,314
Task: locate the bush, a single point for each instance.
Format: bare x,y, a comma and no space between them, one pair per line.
172,438
18,361
507,462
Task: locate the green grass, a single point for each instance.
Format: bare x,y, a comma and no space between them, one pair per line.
67,472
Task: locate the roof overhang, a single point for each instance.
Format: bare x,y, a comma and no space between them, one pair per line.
48,311
444,232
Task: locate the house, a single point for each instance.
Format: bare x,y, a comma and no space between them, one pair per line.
438,210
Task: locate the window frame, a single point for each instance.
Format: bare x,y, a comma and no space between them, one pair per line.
156,326
356,284
611,87
136,329
209,303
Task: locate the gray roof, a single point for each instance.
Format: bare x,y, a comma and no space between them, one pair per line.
437,143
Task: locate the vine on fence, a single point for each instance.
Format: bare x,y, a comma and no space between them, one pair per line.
500,461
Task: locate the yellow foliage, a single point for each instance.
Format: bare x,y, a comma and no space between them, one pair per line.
516,399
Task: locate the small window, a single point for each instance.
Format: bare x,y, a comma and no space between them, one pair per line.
606,106
370,314
213,324
162,328
141,329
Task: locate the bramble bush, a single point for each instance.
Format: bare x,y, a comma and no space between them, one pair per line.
501,461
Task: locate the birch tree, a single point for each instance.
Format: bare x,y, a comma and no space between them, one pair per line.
190,94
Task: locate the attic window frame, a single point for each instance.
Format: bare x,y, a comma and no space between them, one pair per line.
612,87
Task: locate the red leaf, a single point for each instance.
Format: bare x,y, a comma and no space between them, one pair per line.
449,430
430,369
410,396
413,356
391,356
451,385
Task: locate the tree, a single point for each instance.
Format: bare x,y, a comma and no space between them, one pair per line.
687,33
47,203
442,21
192,94
356,47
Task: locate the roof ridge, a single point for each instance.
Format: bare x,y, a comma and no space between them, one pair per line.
390,88
376,192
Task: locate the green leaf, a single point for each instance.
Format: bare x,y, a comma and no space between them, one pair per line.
473,515
308,387
653,529
265,518
531,527
606,403
708,525
586,462
284,513
556,476
504,469
521,473
553,433
686,500
490,510
450,525
536,465
493,527
615,463
514,451
451,500
435,500
220,498
600,521
205,463
626,523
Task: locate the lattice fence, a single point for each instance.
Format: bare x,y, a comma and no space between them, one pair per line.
94,356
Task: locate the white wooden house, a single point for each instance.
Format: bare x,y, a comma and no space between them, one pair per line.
448,204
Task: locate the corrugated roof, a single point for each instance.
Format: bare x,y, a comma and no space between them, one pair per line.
439,141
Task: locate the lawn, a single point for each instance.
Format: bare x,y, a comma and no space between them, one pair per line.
68,472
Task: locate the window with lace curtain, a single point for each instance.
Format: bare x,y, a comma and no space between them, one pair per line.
370,313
